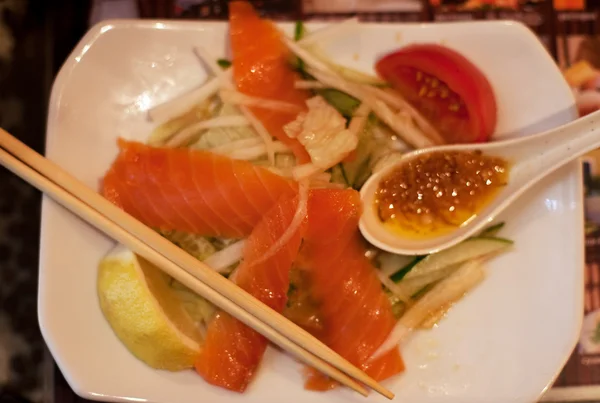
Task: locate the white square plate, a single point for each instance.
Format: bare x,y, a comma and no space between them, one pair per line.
505,342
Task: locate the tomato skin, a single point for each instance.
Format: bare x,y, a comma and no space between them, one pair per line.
460,75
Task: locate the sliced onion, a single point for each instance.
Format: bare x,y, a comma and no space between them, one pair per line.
299,216
224,258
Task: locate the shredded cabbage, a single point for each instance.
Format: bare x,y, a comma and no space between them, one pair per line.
220,136
197,246
322,131
191,132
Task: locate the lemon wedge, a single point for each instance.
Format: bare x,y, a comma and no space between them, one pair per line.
146,312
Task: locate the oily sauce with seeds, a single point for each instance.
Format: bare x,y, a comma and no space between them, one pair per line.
437,192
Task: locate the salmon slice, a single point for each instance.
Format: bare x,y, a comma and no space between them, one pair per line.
261,68
356,314
232,351
192,190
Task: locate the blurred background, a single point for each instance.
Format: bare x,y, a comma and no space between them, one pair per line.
36,36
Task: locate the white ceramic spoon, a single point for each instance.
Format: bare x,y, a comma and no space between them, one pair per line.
530,159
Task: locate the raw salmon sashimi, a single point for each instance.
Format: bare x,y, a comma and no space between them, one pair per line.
355,311
192,190
261,68
232,351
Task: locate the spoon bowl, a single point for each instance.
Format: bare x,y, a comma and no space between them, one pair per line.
530,159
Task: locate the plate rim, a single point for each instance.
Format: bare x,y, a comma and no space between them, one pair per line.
102,27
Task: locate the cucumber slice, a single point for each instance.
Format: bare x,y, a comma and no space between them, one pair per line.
413,286
399,275
389,263
359,169
467,250
344,103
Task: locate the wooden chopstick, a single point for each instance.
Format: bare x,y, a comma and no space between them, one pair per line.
95,218
91,206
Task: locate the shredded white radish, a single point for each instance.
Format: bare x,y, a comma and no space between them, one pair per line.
413,285
306,56
449,290
227,82
299,216
323,73
333,80
359,120
308,84
321,180
221,260
328,32
183,103
395,100
436,316
393,287
186,134
238,98
209,60
400,122
262,132
347,73
234,145
257,151
305,171
281,172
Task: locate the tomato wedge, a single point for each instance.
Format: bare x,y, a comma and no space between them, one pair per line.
449,90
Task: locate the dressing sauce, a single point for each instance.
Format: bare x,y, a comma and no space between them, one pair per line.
435,193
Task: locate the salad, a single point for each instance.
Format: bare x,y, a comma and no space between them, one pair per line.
257,172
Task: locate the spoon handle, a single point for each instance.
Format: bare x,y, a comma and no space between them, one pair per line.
540,154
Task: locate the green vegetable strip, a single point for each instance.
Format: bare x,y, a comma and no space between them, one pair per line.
344,103
224,63
399,275
491,231
494,238
299,31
